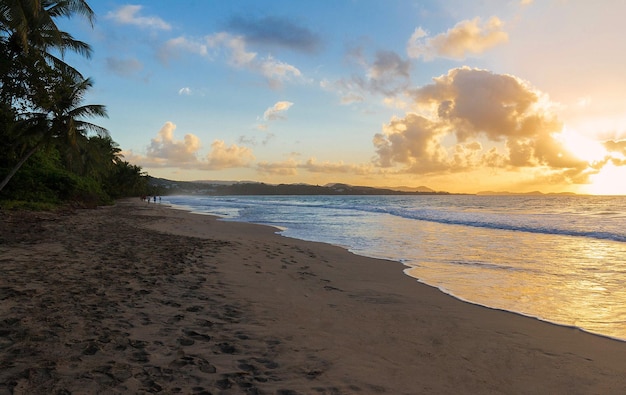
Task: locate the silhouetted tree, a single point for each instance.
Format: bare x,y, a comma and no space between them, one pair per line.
40,95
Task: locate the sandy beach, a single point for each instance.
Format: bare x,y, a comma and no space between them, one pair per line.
140,298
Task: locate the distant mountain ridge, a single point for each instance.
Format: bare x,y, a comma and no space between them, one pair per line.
533,193
258,188
412,189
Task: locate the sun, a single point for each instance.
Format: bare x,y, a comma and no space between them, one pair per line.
582,147
611,180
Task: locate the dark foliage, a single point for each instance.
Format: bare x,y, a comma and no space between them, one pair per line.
50,153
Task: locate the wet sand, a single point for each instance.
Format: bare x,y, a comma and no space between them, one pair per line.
140,298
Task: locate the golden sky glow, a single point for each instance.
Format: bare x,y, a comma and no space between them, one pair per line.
455,95
608,181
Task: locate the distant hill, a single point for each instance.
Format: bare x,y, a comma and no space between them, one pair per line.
412,189
533,193
221,182
221,188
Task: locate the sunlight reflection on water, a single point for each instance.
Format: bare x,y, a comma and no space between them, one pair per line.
564,279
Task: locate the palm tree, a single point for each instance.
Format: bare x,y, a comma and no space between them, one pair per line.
98,157
60,118
127,180
29,37
29,24
40,91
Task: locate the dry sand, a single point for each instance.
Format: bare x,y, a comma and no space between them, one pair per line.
140,298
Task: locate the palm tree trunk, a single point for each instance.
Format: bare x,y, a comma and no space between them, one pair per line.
17,167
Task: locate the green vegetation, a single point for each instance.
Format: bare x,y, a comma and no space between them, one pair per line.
50,154
163,186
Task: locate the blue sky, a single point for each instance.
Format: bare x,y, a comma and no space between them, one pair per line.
461,96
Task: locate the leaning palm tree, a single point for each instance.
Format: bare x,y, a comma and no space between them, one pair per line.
39,90
61,118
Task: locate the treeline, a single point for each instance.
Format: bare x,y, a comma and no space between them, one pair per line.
169,187
304,189
50,151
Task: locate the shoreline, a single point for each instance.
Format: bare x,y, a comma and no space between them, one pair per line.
145,298
545,320
406,267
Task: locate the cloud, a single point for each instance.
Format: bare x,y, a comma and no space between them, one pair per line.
349,90
123,67
275,71
284,168
415,142
128,15
312,166
471,106
387,73
222,156
480,102
350,98
173,48
234,48
235,45
166,151
291,166
186,91
616,146
276,111
275,31
466,37
617,151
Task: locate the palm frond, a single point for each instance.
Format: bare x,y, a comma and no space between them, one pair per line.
67,8
91,127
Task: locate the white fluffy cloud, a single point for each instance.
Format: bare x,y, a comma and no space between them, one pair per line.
277,111
237,55
466,37
174,46
129,15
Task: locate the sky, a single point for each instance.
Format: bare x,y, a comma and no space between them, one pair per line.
459,96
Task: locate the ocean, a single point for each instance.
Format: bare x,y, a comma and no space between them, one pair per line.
558,258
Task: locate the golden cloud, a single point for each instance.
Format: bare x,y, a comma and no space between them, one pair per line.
165,146
313,166
222,156
166,151
290,167
276,111
470,106
285,168
466,37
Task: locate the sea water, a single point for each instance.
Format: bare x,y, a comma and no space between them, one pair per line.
558,258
